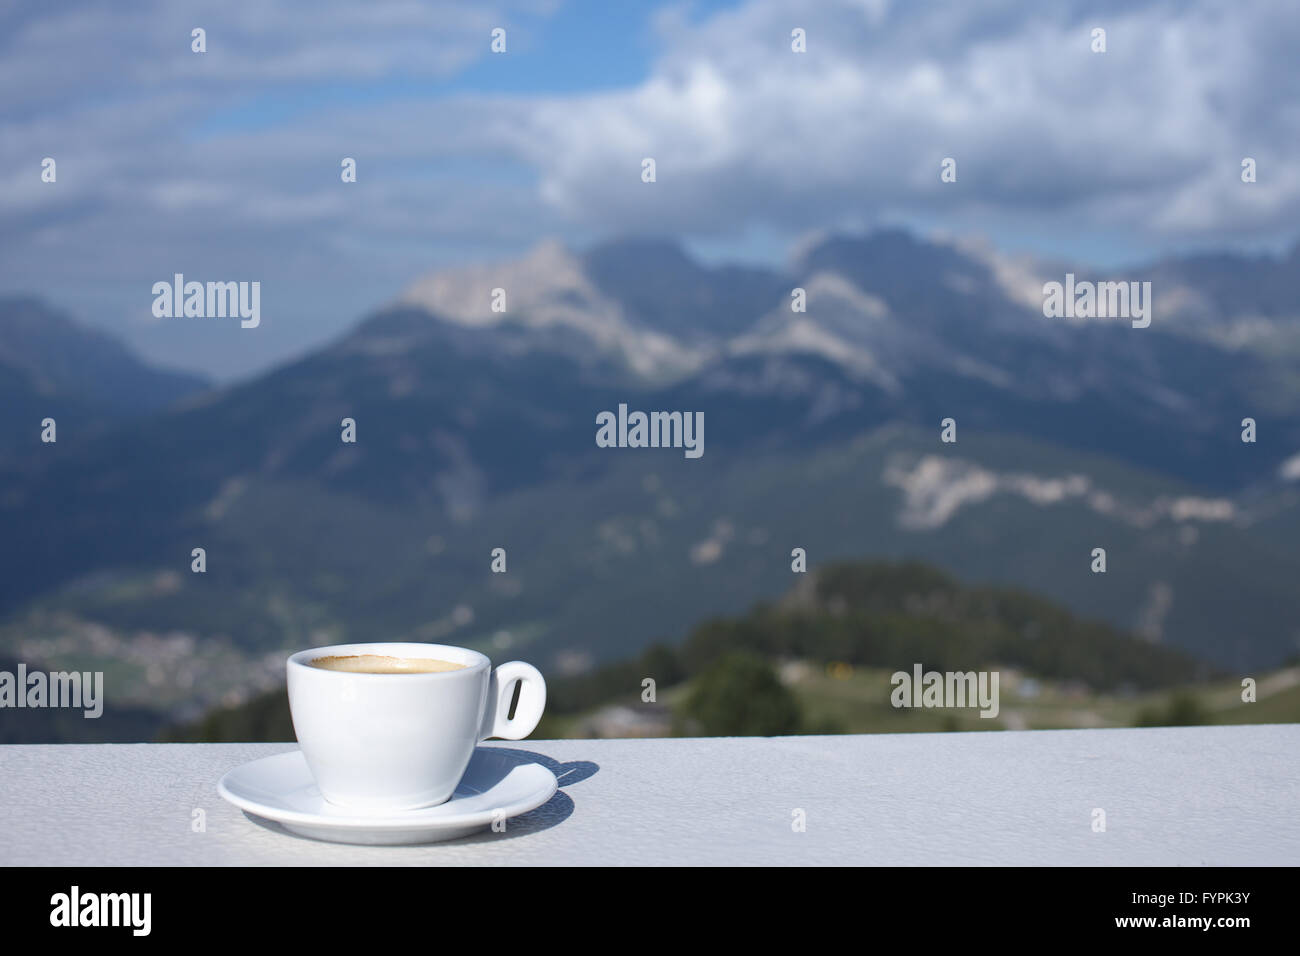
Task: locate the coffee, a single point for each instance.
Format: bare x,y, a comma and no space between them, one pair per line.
382,664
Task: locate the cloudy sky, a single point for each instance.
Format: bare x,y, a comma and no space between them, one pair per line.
225,165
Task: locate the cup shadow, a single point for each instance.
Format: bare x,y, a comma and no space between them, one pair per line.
551,813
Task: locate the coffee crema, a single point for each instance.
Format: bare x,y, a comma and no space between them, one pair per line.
381,664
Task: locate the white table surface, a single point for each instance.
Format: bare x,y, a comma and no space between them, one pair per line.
1172,796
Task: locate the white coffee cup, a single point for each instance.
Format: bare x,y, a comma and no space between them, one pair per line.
403,741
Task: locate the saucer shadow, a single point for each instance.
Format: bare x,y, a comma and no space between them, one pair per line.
551,813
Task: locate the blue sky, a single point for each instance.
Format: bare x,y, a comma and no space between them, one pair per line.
225,165
577,47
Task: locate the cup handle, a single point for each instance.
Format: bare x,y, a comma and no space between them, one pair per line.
501,689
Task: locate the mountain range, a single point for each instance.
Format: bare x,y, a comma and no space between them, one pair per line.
475,431
87,381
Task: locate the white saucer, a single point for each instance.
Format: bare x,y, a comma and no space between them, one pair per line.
496,786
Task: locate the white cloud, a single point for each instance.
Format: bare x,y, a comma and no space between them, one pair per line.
1147,136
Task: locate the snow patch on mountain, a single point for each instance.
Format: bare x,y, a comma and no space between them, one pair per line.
840,323
1019,278
1289,470
548,288
936,488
